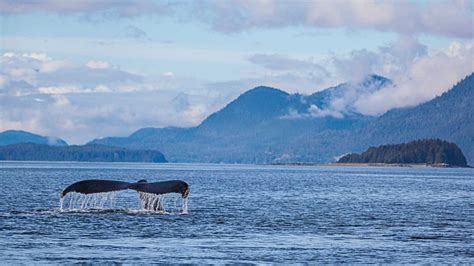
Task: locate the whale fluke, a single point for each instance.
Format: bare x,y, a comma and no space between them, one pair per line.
176,186
95,186
98,186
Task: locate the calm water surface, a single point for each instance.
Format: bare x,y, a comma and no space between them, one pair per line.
242,213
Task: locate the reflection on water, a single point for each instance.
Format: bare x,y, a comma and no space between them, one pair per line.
239,214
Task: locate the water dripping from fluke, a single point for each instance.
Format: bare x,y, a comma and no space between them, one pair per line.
97,195
78,201
165,203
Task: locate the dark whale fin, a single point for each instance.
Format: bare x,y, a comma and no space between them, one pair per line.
95,186
172,186
98,186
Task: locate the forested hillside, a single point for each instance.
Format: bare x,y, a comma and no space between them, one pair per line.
449,116
260,127
267,125
430,152
87,153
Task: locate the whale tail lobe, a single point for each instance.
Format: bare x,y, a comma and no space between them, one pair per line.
98,186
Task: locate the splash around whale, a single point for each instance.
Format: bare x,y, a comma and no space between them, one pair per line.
99,194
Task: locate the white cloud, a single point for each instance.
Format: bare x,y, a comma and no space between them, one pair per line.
418,74
447,18
133,32
38,56
391,60
59,90
313,111
54,65
422,79
8,55
283,62
282,71
295,81
32,73
61,100
79,103
79,118
196,113
98,64
168,74
318,112
3,80
67,89
113,8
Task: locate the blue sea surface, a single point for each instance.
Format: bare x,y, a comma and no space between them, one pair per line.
242,214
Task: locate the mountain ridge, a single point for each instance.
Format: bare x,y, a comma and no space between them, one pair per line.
268,125
311,137
448,116
20,136
249,129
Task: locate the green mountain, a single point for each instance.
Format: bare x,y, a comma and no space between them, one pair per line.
267,125
449,116
18,136
428,151
257,127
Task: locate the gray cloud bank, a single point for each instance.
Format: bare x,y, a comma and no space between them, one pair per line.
446,18
82,102
418,73
107,8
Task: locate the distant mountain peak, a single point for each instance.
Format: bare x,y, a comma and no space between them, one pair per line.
375,80
253,106
265,91
340,100
16,131
376,77
249,131
19,136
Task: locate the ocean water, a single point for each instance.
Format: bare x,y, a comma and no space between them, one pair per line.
241,214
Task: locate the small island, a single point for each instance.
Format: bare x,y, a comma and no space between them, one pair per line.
85,153
431,152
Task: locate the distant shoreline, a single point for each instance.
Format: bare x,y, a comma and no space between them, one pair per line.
374,165
78,153
269,164
415,165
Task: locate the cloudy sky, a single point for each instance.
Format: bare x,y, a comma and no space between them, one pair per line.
83,69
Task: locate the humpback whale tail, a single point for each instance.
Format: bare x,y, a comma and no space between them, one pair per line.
98,186
95,186
150,193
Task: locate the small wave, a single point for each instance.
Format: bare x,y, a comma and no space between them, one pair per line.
425,237
58,211
119,211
